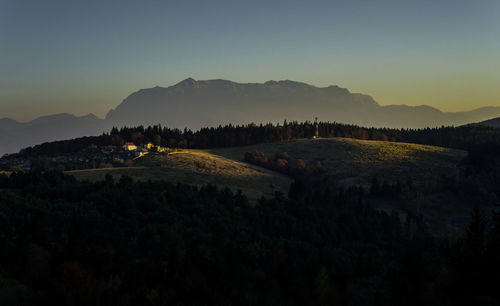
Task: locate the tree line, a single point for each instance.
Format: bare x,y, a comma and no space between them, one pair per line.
463,137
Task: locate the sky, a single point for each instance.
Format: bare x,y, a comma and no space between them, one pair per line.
85,57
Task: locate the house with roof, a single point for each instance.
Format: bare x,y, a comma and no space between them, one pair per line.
129,146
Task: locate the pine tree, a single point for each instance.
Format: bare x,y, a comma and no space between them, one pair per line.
476,233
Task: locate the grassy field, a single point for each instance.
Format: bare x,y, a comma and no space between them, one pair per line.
353,161
349,161
198,168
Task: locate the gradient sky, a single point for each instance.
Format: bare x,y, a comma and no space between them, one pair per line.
87,56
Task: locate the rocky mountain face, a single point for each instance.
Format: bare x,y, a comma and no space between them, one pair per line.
195,104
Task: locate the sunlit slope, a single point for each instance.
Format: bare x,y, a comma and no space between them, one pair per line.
353,161
348,161
356,162
198,168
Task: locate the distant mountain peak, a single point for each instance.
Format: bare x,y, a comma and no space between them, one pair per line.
48,118
287,83
189,82
90,116
5,119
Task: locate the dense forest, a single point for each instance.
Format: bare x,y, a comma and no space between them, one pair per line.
120,242
228,136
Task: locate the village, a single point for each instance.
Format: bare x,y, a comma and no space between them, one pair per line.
90,158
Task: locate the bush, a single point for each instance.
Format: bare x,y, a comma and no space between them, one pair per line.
297,167
257,158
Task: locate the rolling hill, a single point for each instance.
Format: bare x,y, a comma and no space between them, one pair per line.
196,167
355,162
495,122
346,161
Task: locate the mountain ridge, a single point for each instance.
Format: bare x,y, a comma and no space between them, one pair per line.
203,103
15,135
303,102
284,100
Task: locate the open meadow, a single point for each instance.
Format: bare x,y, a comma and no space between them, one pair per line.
198,168
356,162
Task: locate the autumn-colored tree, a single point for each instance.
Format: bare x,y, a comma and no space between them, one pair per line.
281,165
317,168
297,167
256,157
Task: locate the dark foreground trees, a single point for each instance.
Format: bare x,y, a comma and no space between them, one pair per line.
120,242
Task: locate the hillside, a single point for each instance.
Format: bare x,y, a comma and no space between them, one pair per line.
198,168
347,161
495,122
353,161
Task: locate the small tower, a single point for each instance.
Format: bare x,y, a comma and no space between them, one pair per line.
316,134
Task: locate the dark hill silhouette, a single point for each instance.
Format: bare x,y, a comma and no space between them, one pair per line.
196,104
495,122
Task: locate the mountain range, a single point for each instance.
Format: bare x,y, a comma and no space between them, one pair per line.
195,104
17,135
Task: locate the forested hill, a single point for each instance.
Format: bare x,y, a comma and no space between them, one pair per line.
66,242
227,136
495,122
